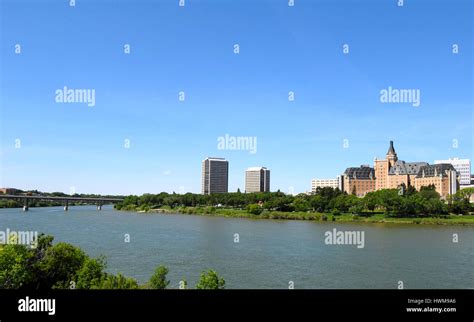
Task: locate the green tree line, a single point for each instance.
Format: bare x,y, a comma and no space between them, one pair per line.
403,201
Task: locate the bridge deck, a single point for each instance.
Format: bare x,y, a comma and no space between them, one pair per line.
53,198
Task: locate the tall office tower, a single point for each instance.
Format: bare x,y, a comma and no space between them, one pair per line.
215,176
462,166
257,179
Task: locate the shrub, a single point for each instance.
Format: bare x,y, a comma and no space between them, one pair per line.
209,210
158,280
210,281
91,273
254,209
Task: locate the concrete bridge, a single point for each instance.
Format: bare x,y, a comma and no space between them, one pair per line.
98,201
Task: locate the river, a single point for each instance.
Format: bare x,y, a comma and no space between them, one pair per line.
268,254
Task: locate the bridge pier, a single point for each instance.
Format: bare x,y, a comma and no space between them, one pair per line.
25,205
66,206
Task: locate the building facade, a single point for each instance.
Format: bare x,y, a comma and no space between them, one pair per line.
358,181
215,176
392,173
443,176
257,179
323,183
462,166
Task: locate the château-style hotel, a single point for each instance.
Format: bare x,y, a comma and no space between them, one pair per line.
392,173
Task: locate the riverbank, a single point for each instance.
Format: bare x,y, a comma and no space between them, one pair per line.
312,216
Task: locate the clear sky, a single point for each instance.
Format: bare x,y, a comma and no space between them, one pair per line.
191,49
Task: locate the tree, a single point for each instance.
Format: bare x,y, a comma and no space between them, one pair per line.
429,192
301,204
459,202
435,206
158,280
91,273
55,266
210,281
317,203
14,261
356,206
354,191
117,282
254,209
60,265
410,191
466,194
371,200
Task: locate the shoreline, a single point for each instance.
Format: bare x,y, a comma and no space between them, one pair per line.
451,220
376,218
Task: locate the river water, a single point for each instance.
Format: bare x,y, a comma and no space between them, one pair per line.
268,254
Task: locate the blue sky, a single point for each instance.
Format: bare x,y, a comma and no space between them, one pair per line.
190,49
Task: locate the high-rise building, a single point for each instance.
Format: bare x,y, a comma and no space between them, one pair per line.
215,176
257,179
462,166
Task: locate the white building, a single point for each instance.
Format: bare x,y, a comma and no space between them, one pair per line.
257,179
462,166
321,183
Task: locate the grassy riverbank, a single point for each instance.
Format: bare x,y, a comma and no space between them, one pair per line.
314,216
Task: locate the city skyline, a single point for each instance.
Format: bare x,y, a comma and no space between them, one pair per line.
304,87
221,185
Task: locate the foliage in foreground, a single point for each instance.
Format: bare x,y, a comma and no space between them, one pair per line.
210,281
64,266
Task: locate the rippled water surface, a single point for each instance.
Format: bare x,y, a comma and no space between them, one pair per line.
269,254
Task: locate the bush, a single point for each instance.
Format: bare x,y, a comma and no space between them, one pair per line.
254,209
14,270
60,265
158,280
210,281
209,210
91,273
117,282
